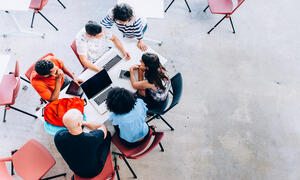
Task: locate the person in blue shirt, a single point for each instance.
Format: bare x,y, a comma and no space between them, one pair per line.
128,115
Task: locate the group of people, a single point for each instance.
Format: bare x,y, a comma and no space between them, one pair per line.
86,152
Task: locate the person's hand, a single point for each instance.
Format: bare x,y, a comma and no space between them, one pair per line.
127,55
59,74
135,67
77,81
142,46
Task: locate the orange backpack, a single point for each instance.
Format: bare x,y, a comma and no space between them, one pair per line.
54,111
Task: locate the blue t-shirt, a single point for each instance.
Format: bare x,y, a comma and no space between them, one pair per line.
132,125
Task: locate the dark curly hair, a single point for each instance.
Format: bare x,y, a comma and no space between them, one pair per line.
120,101
155,72
122,12
43,67
93,28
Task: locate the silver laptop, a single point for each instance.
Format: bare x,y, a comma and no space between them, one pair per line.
96,89
109,60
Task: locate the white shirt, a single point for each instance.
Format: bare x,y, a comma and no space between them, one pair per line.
92,48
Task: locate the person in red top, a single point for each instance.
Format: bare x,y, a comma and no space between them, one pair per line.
49,78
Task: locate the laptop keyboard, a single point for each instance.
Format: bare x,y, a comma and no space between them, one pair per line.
112,62
102,97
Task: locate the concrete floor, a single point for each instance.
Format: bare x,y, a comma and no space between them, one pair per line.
238,117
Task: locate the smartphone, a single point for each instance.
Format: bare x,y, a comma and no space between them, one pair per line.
124,74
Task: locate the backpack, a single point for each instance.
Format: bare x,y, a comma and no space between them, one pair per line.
54,111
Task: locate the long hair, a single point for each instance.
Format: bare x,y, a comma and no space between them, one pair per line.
155,72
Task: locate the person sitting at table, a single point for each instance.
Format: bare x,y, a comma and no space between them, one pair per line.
128,115
128,22
48,77
153,83
92,42
85,153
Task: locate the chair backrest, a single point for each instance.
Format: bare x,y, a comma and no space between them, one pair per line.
37,4
33,160
107,172
140,150
74,48
17,87
176,83
31,68
239,3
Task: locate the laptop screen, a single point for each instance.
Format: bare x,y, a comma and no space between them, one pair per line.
96,84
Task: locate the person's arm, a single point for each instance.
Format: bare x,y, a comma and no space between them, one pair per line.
107,22
140,34
55,93
71,75
88,64
119,45
93,126
137,84
141,45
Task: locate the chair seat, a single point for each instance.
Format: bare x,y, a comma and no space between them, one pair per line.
7,86
4,174
220,6
37,4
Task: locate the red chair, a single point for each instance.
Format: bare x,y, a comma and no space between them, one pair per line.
107,172
74,48
31,162
29,71
138,151
37,6
9,89
222,7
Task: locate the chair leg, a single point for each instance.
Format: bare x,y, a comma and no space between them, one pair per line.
205,8
32,19
172,129
161,147
187,5
217,24
4,120
62,4
169,5
25,80
232,25
47,20
12,164
116,167
129,166
52,177
153,117
23,111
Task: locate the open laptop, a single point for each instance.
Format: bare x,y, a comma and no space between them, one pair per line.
96,89
109,60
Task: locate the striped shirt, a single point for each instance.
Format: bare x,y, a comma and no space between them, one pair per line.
133,28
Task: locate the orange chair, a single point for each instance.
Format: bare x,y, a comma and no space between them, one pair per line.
31,162
138,151
74,48
37,6
223,7
106,173
9,89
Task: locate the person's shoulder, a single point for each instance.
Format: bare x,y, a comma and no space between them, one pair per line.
81,36
58,62
61,134
140,103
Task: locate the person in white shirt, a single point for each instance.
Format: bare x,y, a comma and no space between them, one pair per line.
93,41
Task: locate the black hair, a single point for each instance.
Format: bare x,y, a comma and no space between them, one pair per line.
43,67
122,12
155,72
120,100
93,28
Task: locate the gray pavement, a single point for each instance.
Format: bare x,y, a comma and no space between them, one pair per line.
238,117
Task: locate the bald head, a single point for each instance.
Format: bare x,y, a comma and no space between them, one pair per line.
73,119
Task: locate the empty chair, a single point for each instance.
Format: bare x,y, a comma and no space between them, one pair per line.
107,172
176,83
224,7
9,89
37,6
31,162
138,151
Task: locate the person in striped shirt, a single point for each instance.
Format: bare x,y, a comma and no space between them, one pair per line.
127,22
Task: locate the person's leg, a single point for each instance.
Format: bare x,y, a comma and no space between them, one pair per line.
67,81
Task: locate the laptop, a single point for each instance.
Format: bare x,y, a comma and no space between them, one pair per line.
110,59
96,90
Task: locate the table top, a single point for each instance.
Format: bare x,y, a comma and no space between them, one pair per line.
130,45
4,59
147,8
14,5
